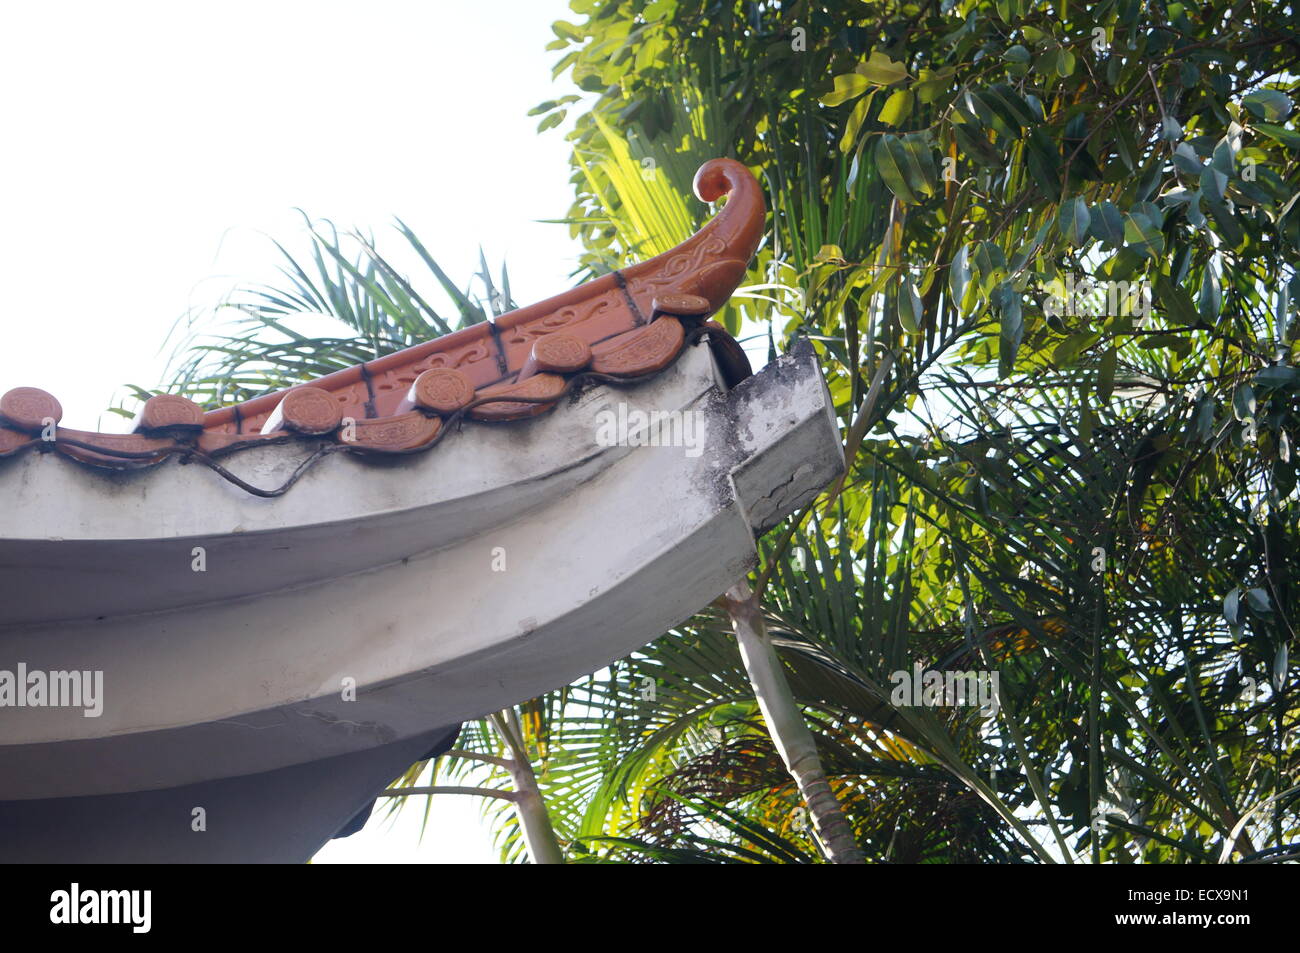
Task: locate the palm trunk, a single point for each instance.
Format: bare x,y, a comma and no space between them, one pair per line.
539,835
794,742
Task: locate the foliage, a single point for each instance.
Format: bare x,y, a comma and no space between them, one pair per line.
371,306
1087,490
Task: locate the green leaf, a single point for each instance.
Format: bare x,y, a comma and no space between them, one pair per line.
923,174
909,307
989,263
847,86
1071,347
1044,161
1176,302
854,125
1178,343
1288,137
1243,402
1007,105
959,275
881,70
1126,146
890,157
1257,599
1232,607
1205,410
1213,182
1186,160
1225,220
1141,233
1268,104
567,31
1209,300
1073,219
1021,258
897,107
1065,61
1007,302
1107,224
931,84
1106,374
1224,157
552,120
1278,375
973,143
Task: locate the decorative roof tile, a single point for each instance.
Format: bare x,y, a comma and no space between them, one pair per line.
629,324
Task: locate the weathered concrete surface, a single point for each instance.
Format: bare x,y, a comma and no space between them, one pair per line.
446,585
281,816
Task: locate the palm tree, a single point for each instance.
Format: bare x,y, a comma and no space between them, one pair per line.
1089,508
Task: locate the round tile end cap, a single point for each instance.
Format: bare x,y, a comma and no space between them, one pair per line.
683,305
30,408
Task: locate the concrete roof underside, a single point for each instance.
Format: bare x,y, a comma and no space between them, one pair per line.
443,586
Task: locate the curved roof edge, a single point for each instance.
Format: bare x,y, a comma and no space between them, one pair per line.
629,324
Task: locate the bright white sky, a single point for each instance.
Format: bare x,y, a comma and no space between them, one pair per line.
151,149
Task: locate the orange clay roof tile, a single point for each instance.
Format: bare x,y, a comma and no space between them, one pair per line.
628,324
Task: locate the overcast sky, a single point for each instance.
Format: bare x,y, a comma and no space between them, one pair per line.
151,150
